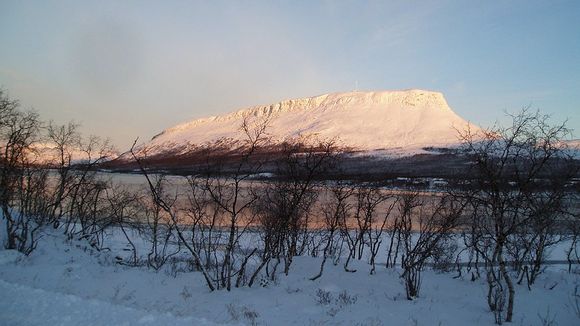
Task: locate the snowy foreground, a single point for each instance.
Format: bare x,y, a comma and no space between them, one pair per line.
64,283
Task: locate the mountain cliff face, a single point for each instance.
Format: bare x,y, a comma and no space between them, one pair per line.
361,121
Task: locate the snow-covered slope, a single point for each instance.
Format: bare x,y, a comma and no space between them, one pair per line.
407,119
48,153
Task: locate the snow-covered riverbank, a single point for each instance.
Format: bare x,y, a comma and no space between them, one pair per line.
65,283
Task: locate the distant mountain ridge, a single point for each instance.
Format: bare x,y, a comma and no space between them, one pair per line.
361,121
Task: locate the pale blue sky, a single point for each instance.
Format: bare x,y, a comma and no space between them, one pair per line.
132,68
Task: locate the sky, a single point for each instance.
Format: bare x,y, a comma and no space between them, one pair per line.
128,69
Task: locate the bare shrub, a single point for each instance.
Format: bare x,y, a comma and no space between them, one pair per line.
519,188
334,212
424,227
547,319
285,205
123,211
444,254
18,132
227,198
573,230
239,313
359,228
65,140
335,304
575,301
172,212
158,229
323,297
345,299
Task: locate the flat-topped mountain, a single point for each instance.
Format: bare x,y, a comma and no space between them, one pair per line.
361,121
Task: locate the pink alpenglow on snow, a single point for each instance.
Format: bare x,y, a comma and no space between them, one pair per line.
365,121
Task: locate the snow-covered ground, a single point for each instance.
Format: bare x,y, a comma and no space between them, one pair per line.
63,283
25,305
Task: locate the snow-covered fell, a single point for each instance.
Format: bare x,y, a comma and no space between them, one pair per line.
48,153
408,119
